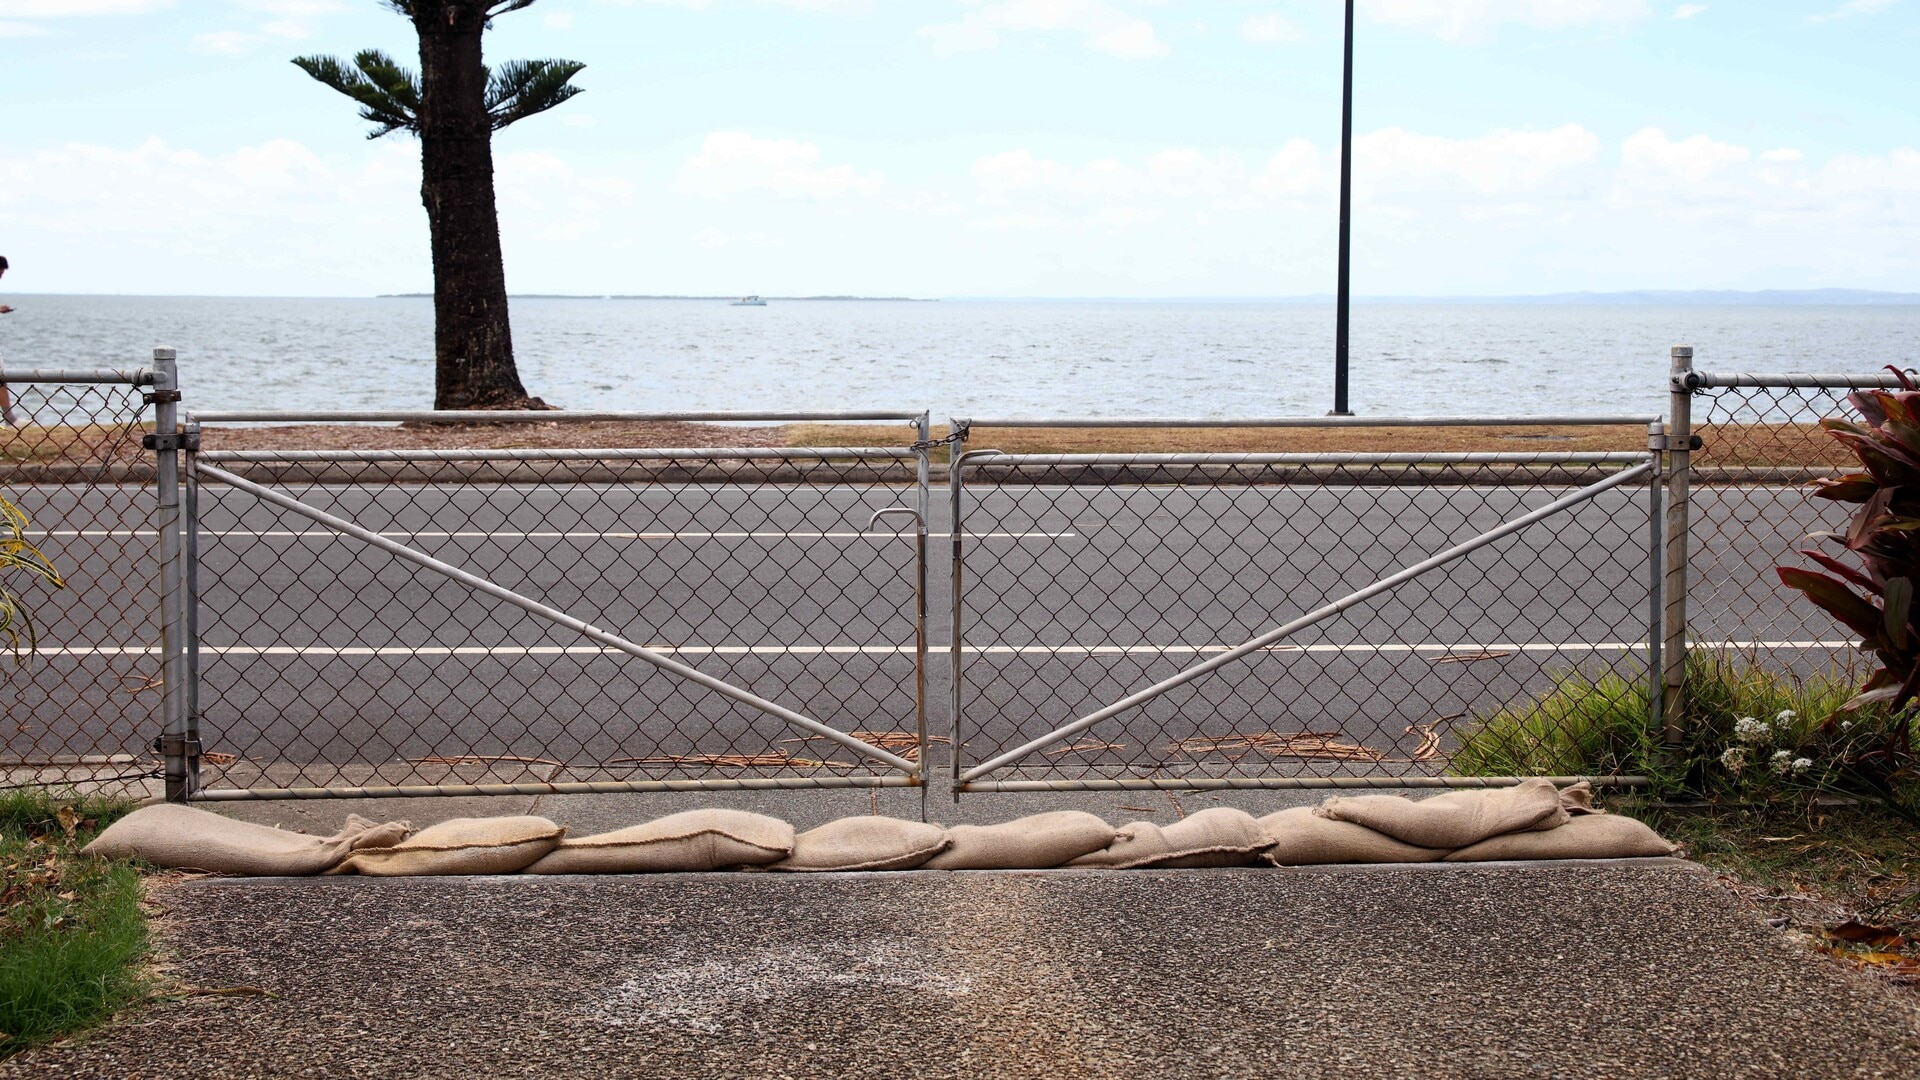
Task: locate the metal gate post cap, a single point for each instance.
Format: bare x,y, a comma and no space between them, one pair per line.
1682,352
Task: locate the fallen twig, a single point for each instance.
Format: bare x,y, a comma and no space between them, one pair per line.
1310,745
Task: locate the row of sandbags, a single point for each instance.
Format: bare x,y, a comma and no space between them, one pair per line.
1531,821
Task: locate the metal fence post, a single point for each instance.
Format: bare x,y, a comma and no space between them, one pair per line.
1677,476
923,503
956,453
1656,543
177,746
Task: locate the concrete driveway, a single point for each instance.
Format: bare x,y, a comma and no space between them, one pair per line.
1636,968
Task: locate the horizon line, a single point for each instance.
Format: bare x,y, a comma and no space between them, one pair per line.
1800,295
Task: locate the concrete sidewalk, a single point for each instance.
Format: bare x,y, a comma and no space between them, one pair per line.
1632,968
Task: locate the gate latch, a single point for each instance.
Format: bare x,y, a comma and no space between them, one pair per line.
178,441
1674,442
176,746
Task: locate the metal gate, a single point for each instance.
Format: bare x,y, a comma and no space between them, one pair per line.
1211,621
554,620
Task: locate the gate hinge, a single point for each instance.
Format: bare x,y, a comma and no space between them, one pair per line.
155,397
1673,442
176,746
189,440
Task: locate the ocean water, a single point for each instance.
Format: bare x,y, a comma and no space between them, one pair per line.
963,358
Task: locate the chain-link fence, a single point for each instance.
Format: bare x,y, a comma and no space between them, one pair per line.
1752,511
82,679
533,620
542,617
1339,619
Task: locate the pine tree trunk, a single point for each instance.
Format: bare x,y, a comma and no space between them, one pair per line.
472,340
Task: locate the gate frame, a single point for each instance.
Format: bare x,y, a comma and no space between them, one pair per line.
183,691
1638,464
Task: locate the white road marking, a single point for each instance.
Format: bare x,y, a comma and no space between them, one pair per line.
1462,650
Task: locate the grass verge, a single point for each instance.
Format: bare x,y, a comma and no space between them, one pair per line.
72,931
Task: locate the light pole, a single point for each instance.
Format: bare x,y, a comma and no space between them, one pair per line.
1346,228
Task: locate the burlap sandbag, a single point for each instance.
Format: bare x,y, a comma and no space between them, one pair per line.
864,843
695,840
1037,842
1578,799
1588,836
1455,819
494,845
183,838
1217,836
1301,837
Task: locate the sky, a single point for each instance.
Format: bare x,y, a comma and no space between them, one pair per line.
989,148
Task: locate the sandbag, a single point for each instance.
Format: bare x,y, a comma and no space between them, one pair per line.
695,840
491,845
1301,837
184,838
1133,844
864,843
1217,836
1455,819
1577,799
1588,836
1037,842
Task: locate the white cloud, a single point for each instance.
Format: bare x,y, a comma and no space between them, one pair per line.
1852,8
734,162
1688,11
55,9
1475,20
1500,162
274,215
14,29
1649,160
1783,155
1100,25
224,42
1270,26
829,7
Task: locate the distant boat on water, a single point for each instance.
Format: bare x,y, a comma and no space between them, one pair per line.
749,301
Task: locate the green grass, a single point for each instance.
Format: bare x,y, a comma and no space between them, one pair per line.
72,932
1588,725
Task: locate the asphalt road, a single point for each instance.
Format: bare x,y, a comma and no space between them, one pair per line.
1633,969
319,649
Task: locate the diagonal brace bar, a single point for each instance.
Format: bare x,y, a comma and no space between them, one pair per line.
554,615
1283,632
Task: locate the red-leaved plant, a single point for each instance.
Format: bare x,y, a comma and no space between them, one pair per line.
1876,599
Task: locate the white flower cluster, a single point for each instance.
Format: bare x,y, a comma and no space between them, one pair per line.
1751,731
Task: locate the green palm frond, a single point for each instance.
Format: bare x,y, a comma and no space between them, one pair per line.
389,95
520,88
17,553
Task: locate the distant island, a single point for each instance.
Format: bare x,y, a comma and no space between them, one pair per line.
1640,297
645,296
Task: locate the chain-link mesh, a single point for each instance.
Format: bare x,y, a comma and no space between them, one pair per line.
82,705
326,662
1085,582
1751,511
